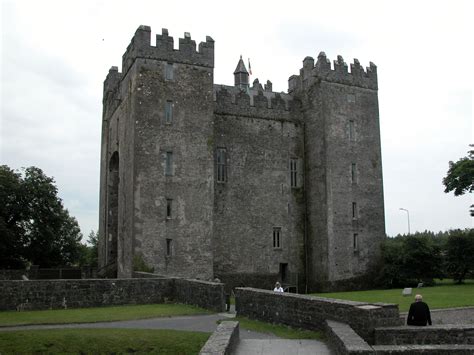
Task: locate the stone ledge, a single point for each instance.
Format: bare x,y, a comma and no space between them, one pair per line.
436,334
447,349
223,340
344,340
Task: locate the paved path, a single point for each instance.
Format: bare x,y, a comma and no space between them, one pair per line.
250,342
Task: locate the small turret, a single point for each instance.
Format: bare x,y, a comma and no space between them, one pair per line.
241,76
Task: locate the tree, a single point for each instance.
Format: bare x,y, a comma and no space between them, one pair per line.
35,227
90,253
460,176
460,254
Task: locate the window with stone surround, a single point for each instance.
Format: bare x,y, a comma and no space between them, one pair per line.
221,162
169,247
354,210
168,111
353,173
169,163
169,71
277,238
293,172
169,205
355,241
351,131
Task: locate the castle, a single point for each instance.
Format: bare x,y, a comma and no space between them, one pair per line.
240,183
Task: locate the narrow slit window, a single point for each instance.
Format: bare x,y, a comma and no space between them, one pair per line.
355,241
169,163
351,130
169,205
221,161
354,210
169,71
169,247
353,172
276,238
168,111
293,172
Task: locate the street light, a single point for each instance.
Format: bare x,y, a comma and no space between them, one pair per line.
408,216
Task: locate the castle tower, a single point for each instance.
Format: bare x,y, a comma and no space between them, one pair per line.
157,168
241,76
343,168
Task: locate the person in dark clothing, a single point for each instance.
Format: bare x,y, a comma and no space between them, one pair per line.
419,313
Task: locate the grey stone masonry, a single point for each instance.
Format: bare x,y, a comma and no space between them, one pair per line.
54,294
436,334
451,349
344,340
310,312
223,340
241,183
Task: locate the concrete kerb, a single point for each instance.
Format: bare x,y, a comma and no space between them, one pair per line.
223,340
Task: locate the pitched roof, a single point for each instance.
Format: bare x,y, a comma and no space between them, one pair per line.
241,67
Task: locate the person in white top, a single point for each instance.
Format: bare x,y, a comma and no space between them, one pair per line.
278,288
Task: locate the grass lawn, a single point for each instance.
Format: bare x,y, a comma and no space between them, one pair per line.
98,314
97,341
444,295
281,331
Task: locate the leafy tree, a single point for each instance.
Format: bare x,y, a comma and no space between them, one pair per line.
460,254
35,227
410,259
89,253
460,176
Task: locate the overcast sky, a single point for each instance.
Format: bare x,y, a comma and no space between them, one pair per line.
55,55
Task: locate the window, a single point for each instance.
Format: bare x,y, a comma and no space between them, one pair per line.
169,203
169,71
169,163
354,210
293,172
221,159
169,247
353,172
351,130
355,241
168,111
276,237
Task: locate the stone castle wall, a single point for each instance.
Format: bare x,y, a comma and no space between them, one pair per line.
187,223
57,294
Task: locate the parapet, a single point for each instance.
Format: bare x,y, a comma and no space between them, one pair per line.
252,103
140,47
339,74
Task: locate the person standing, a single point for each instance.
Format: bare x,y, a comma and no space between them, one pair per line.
419,313
278,287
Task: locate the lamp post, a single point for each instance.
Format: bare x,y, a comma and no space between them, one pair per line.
408,216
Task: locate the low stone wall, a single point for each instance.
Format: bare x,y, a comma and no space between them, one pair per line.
344,341
223,340
308,312
436,334
209,295
450,349
53,294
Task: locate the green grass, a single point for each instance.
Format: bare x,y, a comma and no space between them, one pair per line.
99,341
281,331
99,314
444,295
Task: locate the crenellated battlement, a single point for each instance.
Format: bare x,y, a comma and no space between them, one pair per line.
256,102
339,73
163,49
